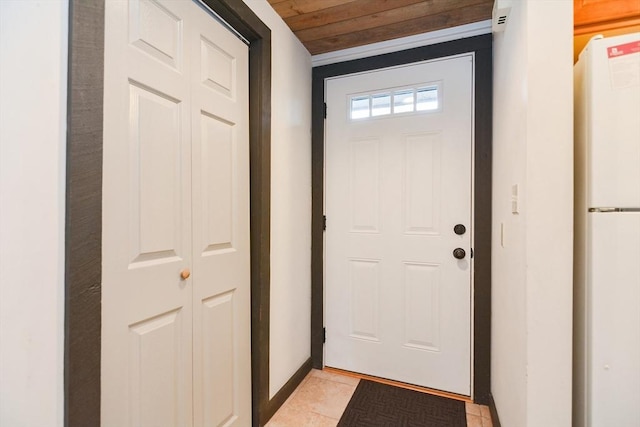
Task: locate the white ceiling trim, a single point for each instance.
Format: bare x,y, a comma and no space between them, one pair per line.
433,37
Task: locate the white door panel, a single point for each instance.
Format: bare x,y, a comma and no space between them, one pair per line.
146,308
221,297
614,308
397,302
175,352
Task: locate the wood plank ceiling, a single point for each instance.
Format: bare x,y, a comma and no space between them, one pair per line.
329,25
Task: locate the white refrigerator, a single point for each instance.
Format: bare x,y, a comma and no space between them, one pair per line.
607,234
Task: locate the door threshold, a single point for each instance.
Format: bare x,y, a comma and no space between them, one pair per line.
407,386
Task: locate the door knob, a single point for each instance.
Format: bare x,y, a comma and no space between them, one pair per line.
459,253
184,274
459,229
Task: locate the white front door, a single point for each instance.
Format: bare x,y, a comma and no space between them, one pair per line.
176,285
398,182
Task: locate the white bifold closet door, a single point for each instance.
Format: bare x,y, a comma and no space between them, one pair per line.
176,268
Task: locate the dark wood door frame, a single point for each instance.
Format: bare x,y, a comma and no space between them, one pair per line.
481,46
83,223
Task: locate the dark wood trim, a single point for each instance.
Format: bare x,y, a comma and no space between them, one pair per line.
260,131
283,394
482,231
83,221
482,47
317,218
83,275
495,419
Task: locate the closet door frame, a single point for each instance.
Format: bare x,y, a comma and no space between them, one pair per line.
83,222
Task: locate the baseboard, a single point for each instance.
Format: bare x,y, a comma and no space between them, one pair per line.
283,394
494,412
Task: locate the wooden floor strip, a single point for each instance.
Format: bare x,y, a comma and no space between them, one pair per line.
400,384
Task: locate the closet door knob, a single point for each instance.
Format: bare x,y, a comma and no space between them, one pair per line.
184,274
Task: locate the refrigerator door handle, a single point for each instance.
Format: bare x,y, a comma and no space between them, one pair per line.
607,210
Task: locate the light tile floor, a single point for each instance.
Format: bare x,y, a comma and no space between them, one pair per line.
322,397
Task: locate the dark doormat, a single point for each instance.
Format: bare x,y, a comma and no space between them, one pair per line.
380,405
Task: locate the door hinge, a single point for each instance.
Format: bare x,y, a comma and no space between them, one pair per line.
471,252
324,222
324,335
325,110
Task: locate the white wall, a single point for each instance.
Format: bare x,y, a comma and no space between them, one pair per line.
508,323
290,199
33,64
532,270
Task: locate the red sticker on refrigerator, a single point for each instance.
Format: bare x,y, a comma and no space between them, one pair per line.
623,49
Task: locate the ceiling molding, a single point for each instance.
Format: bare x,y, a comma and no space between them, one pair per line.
433,37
